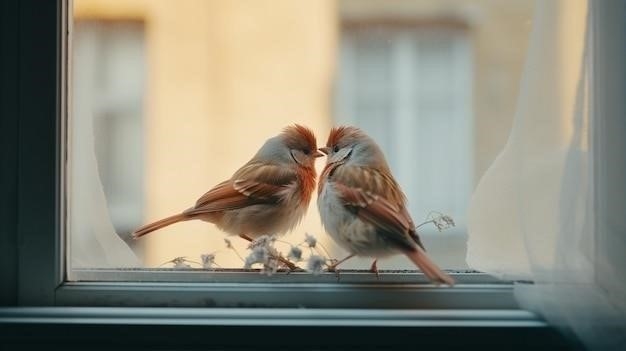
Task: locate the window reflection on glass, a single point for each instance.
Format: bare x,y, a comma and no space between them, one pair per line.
183,93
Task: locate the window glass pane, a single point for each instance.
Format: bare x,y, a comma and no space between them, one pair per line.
171,98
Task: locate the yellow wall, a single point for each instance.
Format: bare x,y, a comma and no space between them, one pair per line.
222,77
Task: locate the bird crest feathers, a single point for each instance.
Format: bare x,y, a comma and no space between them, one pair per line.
343,133
297,137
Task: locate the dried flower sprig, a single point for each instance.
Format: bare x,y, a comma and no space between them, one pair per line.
295,254
180,262
264,252
310,240
258,254
266,241
208,260
316,264
229,245
439,220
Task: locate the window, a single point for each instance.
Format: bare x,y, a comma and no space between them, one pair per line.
191,96
169,98
409,88
37,274
212,94
34,178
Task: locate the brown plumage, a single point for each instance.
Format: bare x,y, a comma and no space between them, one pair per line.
267,195
362,206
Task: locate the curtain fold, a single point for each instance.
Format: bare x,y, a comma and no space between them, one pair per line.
93,240
531,216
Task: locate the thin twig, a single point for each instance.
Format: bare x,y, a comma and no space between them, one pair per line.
424,223
325,251
237,253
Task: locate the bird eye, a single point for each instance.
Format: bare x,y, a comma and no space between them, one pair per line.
306,151
336,148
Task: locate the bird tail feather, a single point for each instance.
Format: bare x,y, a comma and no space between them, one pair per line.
429,268
148,228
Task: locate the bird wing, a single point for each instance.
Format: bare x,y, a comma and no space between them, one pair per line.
376,199
254,183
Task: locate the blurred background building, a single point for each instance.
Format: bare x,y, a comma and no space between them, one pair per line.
183,93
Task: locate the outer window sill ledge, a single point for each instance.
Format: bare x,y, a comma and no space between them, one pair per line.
292,317
353,289
263,328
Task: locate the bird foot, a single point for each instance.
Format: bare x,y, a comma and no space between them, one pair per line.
333,268
374,269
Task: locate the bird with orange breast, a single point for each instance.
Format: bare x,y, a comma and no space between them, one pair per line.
362,206
268,195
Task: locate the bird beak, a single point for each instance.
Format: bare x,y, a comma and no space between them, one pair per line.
317,154
325,150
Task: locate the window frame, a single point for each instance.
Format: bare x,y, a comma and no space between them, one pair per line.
35,59
40,263
608,81
33,248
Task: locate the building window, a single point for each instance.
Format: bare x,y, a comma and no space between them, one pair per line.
410,87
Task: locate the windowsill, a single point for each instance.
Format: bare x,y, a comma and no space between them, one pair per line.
269,317
354,289
224,275
296,311
267,328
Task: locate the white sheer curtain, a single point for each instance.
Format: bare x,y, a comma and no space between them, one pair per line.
531,216
93,240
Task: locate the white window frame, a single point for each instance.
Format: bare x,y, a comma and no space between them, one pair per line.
39,277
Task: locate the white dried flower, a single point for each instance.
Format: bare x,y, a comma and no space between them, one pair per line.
310,240
258,254
262,241
295,254
316,264
208,260
449,220
180,262
439,220
443,222
270,266
229,245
